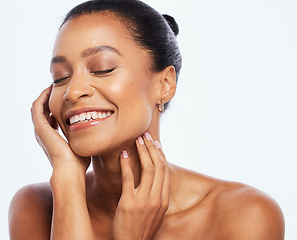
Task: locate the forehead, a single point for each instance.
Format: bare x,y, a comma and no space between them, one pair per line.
91,30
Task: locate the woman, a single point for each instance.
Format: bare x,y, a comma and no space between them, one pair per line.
115,66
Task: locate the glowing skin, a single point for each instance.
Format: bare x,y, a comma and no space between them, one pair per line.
130,91
132,192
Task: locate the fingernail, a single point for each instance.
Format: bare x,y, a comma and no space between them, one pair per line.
140,140
124,154
157,144
148,136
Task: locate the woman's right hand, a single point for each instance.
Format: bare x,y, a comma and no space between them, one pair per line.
55,147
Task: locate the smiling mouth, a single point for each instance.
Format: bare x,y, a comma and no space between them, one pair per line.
88,116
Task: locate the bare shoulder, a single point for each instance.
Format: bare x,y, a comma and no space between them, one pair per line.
30,212
219,209
243,212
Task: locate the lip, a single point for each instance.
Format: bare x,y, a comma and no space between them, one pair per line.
85,125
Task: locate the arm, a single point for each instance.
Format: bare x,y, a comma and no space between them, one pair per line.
70,214
70,218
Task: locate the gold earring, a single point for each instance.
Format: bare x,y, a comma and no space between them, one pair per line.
161,106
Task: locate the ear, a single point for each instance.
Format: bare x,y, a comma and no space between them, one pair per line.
168,84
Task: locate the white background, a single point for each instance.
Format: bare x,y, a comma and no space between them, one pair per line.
234,115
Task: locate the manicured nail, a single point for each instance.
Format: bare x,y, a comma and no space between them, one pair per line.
148,136
124,154
157,144
140,140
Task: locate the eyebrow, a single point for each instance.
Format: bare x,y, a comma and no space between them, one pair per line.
88,52
58,59
93,50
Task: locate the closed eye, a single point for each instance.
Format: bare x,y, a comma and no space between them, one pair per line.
61,79
103,72
94,72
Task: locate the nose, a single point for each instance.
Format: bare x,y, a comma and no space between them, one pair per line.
78,88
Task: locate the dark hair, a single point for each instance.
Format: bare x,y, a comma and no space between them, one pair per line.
154,32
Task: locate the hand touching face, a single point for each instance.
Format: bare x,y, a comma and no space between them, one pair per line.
104,93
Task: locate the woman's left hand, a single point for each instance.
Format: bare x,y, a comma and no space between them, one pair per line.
141,210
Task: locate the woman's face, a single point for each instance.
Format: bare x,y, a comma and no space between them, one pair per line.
106,93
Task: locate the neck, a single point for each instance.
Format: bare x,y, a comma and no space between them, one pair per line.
106,187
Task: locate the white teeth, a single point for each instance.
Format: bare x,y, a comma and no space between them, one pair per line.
71,119
85,117
76,118
94,115
88,116
82,117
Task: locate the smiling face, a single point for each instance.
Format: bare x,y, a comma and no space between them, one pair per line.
105,94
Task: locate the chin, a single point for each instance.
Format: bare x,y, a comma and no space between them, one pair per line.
85,150
93,148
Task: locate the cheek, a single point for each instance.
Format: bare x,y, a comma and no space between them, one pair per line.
132,89
134,100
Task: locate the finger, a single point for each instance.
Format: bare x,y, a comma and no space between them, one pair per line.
167,179
44,133
148,169
44,96
127,175
159,147
166,188
41,114
40,105
159,165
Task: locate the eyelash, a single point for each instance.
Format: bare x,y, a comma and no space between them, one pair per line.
95,73
60,79
104,72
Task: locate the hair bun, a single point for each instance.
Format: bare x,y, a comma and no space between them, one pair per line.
172,23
